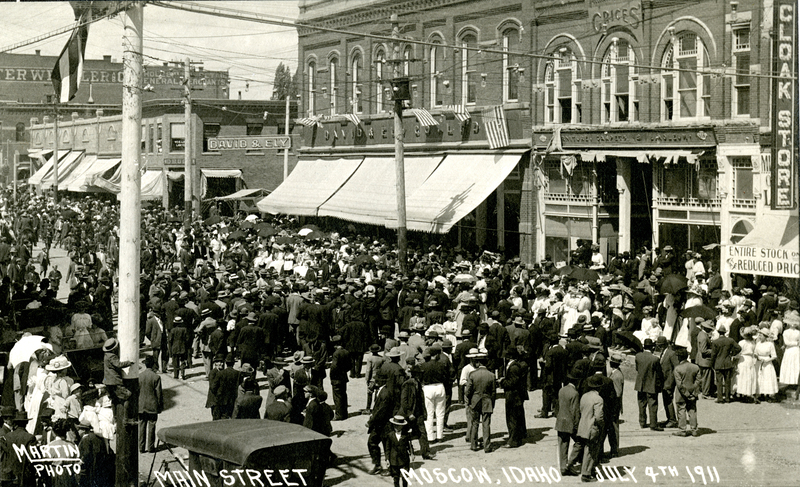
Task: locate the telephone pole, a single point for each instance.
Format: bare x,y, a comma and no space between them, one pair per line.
399,139
55,148
125,414
188,175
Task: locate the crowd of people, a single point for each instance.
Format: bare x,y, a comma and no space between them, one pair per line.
277,310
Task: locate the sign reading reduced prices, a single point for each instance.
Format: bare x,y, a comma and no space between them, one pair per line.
784,121
760,261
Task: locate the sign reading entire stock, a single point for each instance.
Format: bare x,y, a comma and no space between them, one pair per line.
609,13
250,142
784,110
761,261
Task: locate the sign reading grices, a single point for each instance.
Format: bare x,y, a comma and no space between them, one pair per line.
761,261
250,142
610,13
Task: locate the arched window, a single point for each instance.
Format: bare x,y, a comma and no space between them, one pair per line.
512,65
563,100
436,63
312,87
620,90
740,230
407,55
469,75
333,67
355,80
380,62
686,93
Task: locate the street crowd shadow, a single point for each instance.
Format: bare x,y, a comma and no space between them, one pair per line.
535,435
705,431
169,395
346,467
632,450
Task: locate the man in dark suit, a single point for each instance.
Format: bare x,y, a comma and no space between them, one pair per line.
378,421
250,341
279,409
179,346
668,362
151,404
248,403
703,357
412,407
399,452
480,393
687,386
554,373
226,388
722,351
515,385
568,415
340,366
649,380
17,471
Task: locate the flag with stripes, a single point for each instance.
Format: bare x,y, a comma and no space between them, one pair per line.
494,122
424,117
311,121
353,118
461,113
68,70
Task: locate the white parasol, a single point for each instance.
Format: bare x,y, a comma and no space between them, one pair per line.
25,347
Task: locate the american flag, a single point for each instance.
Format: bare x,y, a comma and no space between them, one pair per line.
461,113
494,122
310,121
424,117
353,118
68,70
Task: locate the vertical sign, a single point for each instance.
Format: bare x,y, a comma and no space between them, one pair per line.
784,111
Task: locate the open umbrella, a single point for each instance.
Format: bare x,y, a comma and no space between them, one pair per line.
584,274
267,232
237,235
314,235
283,240
465,278
310,227
566,270
212,220
673,283
247,224
701,311
304,231
25,347
630,341
69,213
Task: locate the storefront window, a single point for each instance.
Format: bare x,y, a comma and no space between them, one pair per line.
177,137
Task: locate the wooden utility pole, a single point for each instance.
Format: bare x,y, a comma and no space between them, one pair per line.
188,173
55,148
16,165
130,246
399,139
286,150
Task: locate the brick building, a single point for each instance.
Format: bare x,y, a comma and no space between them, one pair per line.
26,92
163,141
646,122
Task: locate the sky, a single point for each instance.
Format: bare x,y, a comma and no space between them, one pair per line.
250,51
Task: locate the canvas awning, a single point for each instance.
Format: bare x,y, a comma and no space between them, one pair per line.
100,169
774,231
370,195
309,186
772,248
458,185
243,194
47,169
66,165
152,185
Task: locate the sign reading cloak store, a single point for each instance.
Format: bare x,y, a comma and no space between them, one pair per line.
784,110
250,142
605,14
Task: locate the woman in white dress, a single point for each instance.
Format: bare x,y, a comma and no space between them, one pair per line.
790,366
765,354
745,380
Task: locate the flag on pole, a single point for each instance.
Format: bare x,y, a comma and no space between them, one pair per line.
311,121
424,117
68,70
353,118
494,122
461,113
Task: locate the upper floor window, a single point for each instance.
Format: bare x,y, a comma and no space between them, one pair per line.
684,92
334,91
210,130
177,137
436,63
742,177
741,63
469,75
619,89
512,66
407,55
312,87
355,80
380,64
563,93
